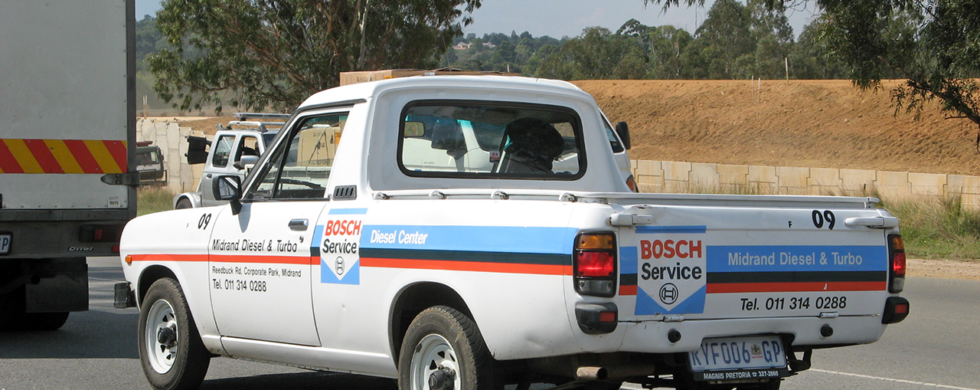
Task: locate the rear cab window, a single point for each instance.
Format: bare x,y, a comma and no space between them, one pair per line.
474,139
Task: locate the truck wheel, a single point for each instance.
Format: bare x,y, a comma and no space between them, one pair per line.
183,203
171,350
45,321
11,311
443,349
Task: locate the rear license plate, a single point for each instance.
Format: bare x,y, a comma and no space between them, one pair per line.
739,358
5,239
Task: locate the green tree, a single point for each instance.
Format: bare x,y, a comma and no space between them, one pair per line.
274,53
727,31
934,45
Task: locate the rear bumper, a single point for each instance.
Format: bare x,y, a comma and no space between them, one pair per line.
652,337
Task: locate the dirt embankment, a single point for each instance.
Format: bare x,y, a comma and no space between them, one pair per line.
810,123
828,124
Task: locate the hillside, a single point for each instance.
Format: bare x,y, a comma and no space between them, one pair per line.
812,123
826,123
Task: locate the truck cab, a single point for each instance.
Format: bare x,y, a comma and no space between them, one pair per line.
233,150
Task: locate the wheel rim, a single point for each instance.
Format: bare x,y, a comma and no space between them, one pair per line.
161,336
434,358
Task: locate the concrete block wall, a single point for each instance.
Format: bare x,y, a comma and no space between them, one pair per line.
673,176
670,176
171,138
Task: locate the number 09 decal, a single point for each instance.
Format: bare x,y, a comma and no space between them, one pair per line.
204,221
826,216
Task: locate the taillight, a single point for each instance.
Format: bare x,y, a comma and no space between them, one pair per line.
594,264
896,261
100,233
631,184
896,309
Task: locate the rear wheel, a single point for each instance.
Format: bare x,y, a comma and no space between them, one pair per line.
443,349
170,347
183,203
12,310
45,321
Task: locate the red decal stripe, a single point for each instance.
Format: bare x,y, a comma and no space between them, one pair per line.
536,269
165,257
720,288
627,290
8,164
43,156
301,260
83,156
118,151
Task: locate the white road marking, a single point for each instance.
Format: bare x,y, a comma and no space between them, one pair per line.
936,385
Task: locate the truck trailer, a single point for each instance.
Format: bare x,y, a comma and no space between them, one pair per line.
67,141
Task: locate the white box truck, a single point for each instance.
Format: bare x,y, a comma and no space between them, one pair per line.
67,136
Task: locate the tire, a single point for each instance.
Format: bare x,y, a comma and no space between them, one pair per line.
171,351
45,321
12,310
444,344
183,203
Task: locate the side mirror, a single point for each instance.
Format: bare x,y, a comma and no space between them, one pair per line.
228,187
197,150
245,162
623,131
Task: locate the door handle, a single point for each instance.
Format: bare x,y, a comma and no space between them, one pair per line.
208,176
299,224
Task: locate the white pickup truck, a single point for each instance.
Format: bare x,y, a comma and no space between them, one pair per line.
233,150
535,263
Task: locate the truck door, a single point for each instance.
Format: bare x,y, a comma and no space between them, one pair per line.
262,256
220,163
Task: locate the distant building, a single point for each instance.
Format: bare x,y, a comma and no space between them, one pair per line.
462,46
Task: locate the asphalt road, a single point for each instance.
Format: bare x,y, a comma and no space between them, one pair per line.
938,346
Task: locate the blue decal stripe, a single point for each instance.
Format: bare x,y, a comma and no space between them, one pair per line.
788,258
347,211
628,259
511,239
671,229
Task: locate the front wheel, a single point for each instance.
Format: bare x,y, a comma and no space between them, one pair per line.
442,350
170,347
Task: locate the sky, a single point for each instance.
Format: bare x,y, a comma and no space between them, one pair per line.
558,18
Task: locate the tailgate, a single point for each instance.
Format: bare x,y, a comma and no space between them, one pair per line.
731,262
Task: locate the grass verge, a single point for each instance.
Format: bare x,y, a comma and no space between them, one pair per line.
937,227
932,227
153,199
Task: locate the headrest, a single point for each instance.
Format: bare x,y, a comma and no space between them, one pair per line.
534,136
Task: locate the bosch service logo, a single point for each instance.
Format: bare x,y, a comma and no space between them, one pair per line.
339,266
668,293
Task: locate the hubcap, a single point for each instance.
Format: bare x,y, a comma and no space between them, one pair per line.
434,365
161,336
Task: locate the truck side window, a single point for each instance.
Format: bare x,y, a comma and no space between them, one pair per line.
490,139
300,168
617,147
222,151
249,146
